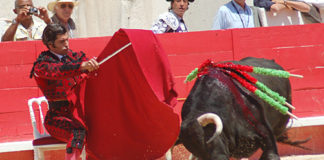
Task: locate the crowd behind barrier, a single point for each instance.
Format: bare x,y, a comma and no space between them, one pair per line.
264,14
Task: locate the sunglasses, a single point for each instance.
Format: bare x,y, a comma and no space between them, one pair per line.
67,5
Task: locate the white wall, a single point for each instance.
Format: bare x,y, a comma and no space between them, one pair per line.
104,17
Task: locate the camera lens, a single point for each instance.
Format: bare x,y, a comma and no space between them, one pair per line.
33,10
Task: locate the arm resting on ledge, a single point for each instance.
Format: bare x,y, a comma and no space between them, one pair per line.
300,6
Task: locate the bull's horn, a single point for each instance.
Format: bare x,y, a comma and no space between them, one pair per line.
208,118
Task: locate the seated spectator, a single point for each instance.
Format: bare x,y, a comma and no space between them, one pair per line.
24,27
310,12
234,14
62,10
172,21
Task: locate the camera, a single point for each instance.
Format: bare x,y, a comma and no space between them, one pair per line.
33,11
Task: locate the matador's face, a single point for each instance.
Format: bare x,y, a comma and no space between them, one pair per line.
61,44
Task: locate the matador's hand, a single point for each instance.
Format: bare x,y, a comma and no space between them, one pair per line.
90,65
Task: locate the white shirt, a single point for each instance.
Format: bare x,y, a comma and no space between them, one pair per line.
58,55
232,15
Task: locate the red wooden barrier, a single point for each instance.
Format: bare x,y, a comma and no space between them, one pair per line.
299,49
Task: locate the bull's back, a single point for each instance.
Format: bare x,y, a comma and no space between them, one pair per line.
279,85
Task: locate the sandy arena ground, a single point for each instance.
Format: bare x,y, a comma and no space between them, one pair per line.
304,157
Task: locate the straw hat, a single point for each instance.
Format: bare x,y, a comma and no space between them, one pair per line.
51,5
188,0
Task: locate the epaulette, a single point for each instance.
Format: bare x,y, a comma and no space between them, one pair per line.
44,56
170,19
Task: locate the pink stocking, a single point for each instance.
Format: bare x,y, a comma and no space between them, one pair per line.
75,155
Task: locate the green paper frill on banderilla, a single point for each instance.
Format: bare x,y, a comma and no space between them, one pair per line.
271,72
282,109
192,75
274,95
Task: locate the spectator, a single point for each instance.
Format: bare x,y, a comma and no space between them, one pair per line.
234,14
172,21
24,27
56,72
310,12
62,10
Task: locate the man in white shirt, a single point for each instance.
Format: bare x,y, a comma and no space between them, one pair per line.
24,27
234,14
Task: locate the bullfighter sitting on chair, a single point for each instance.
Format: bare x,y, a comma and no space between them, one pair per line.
56,72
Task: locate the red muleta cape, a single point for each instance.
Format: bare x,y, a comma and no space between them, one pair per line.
129,104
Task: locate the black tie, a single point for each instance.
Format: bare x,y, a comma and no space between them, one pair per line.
63,59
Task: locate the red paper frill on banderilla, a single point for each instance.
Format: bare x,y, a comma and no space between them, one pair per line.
129,104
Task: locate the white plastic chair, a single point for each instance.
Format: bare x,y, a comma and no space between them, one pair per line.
43,141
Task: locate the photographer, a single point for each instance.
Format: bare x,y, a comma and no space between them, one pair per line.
24,27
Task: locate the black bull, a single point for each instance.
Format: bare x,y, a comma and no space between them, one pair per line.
240,122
